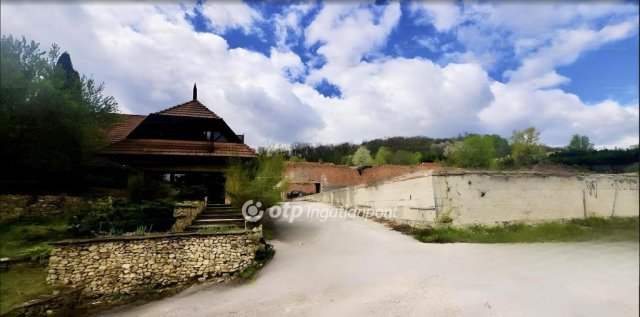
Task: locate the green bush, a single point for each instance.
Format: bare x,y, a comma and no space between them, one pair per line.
257,180
34,233
191,193
38,233
124,215
38,252
140,188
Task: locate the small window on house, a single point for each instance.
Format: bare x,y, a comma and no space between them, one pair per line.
218,137
207,135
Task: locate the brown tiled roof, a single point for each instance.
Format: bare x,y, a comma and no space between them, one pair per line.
191,108
121,129
178,147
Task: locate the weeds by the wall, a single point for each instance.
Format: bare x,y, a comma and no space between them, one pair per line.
611,229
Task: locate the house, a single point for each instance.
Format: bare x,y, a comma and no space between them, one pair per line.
186,144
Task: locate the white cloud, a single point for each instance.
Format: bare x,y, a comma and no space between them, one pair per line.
347,32
153,65
559,115
565,48
442,15
149,56
402,97
288,62
288,24
223,16
489,30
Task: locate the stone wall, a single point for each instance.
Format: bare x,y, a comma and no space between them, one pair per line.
186,212
304,175
16,206
491,198
128,265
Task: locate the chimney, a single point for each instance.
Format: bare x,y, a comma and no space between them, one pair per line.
195,92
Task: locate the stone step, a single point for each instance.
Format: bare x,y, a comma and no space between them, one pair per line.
221,209
219,206
221,215
221,212
195,227
214,221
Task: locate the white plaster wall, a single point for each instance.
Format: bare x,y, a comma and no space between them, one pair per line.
532,198
411,199
493,198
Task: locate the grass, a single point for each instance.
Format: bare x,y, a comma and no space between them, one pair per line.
28,238
22,283
600,229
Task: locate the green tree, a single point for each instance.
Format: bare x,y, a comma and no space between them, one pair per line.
500,145
383,156
258,180
580,143
362,157
296,159
51,119
474,151
403,157
526,148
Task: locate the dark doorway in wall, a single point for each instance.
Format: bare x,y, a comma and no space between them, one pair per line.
317,188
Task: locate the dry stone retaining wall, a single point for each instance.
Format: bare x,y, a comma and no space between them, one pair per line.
127,265
186,213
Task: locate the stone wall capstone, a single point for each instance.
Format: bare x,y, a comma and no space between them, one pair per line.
128,265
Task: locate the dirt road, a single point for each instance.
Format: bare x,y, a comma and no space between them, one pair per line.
354,267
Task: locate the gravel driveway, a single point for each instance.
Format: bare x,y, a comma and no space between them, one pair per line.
354,267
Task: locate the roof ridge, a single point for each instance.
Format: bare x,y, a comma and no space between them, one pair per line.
201,110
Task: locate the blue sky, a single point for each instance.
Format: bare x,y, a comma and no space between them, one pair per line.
335,72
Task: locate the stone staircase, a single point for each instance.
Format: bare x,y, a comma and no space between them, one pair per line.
218,216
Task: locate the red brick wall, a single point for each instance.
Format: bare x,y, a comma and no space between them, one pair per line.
303,176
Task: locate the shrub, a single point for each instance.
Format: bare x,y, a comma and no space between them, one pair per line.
124,215
39,233
191,193
258,180
38,252
140,187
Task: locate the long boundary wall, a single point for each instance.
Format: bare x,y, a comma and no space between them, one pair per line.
490,198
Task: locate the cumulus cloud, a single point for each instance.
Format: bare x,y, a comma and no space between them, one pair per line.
223,16
149,56
565,47
287,26
151,65
442,15
347,32
559,115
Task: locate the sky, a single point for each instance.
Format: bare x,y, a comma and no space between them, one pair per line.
347,72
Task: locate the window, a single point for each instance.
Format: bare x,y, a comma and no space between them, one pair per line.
218,137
